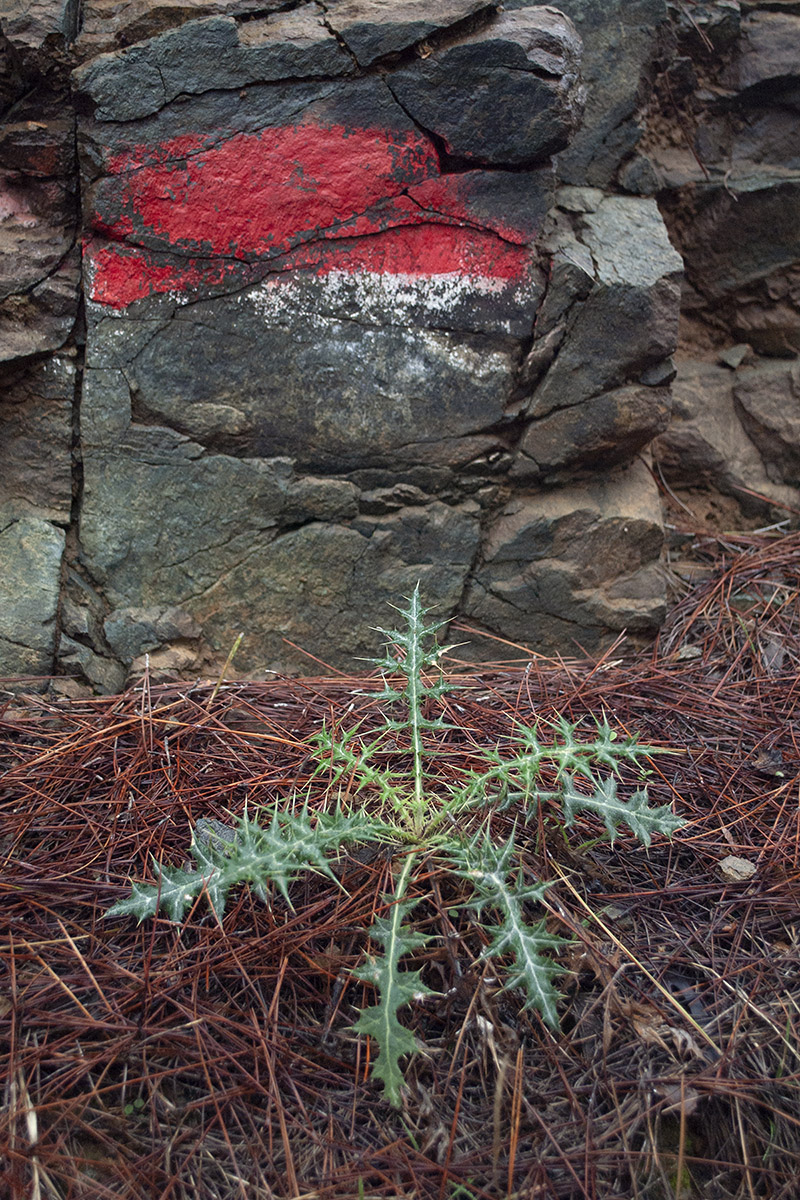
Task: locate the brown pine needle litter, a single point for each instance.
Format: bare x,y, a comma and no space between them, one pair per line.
192,1061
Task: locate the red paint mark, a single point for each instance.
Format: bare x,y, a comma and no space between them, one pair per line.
258,193
305,197
420,251
119,275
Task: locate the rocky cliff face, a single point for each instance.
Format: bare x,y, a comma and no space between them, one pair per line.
302,304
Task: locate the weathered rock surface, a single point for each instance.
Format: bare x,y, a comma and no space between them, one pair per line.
768,403
36,447
601,432
607,329
621,39
31,551
218,52
342,335
707,444
372,29
734,196
766,53
565,567
132,632
706,29
509,94
107,25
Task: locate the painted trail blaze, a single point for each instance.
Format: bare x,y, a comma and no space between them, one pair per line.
184,215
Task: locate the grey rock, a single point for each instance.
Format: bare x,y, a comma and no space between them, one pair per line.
706,29
36,446
106,25
166,525
639,176
768,53
210,54
600,433
160,522
568,566
334,395
767,399
571,279
706,445
660,375
621,39
104,674
629,243
735,356
31,551
208,120
82,611
131,632
579,199
629,321
514,204
372,29
322,586
508,94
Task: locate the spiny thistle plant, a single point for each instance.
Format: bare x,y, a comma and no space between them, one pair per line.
411,811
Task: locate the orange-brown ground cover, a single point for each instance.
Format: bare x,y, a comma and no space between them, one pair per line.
204,1061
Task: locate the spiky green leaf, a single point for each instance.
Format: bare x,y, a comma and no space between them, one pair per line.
614,811
489,869
174,894
273,853
395,988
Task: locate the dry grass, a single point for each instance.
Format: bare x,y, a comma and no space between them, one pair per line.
197,1062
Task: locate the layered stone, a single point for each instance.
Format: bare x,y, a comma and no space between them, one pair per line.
568,567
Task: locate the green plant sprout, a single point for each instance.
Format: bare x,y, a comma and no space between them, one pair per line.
405,807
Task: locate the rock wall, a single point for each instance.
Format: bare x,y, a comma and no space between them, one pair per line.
305,303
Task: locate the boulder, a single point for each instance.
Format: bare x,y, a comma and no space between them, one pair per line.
592,389
627,323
